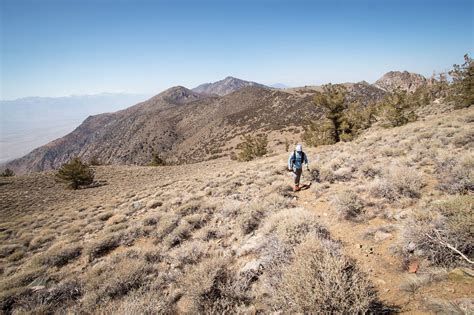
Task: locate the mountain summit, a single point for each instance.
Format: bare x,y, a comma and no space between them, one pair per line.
225,86
407,81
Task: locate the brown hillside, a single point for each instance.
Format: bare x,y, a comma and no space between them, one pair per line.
141,243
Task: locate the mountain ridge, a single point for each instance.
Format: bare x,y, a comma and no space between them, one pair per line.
186,126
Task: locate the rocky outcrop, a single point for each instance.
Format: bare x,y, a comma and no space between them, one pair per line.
405,80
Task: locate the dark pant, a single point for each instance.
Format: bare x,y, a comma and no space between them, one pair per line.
298,173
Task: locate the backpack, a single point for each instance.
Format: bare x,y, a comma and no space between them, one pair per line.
293,160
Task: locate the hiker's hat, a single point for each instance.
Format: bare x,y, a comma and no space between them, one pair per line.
299,148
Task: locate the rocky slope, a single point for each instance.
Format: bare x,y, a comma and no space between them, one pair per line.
225,86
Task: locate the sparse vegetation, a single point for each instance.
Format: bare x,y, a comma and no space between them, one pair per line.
140,244
442,232
75,173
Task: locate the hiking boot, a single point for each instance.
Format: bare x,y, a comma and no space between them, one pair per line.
296,188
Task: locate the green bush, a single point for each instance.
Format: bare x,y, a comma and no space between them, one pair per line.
75,173
252,147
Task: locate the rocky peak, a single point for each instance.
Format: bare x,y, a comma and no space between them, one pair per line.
225,86
179,95
407,81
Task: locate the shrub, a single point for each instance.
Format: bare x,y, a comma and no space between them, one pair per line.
141,302
327,174
7,173
252,147
53,300
218,291
348,205
103,245
456,176
95,161
179,234
60,254
396,183
369,170
251,217
167,223
156,160
447,222
322,280
115,279
75,173
292,225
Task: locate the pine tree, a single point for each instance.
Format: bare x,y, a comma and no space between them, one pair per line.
332,99
396,109
463,83
75,173
7,173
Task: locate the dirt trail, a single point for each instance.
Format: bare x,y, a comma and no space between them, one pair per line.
374,257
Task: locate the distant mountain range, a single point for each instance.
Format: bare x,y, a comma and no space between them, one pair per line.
185,126
27,123
279,86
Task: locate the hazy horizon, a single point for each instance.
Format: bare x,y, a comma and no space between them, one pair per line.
56,48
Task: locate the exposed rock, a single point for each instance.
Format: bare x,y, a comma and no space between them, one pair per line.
405,80
461,274
381,236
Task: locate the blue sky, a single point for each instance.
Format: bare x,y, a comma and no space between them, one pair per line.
57,48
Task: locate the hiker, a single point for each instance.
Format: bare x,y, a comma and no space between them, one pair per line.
295,165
